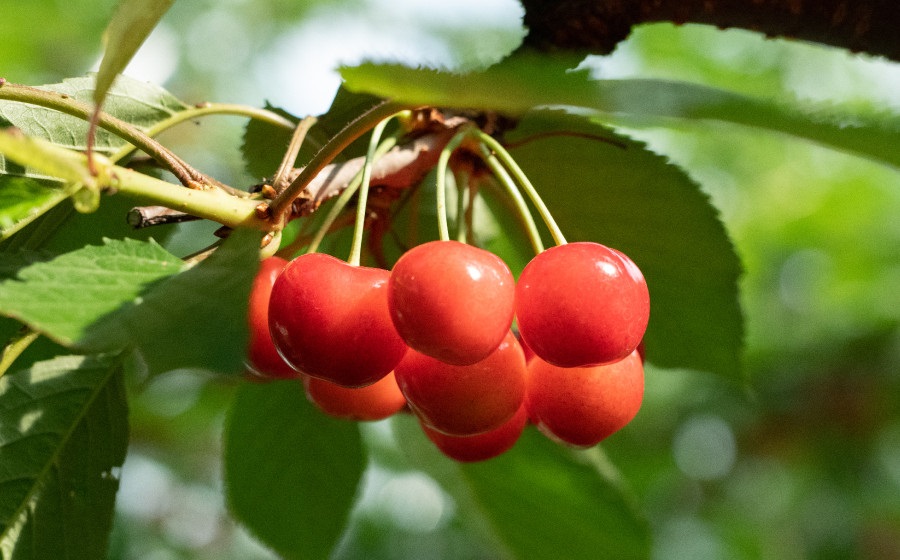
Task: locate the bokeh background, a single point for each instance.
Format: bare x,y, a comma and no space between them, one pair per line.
801,461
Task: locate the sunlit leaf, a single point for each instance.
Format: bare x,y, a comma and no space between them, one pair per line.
130,26
522,83
291,473
63,438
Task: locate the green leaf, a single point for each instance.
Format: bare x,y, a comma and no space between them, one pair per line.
63,297
130,294
539,500
607,188
130,26
63,439
22,198
139,103
524,82
291,473
264,144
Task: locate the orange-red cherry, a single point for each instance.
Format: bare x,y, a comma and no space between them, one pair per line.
582,304
330,319
465,400
583,406
452,301
263,361
377,401
480,447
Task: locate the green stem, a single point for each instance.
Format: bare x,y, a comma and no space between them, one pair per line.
345,197
329,151
65,104
441,179
263,115
522,180
515,195
360,225
15,347
71,166
462,194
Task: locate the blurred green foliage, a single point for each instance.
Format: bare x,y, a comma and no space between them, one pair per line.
803,464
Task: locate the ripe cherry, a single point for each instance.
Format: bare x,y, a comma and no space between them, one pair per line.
583,406
372,402
452,301
330,319
263,361
480,447
582,304
465,400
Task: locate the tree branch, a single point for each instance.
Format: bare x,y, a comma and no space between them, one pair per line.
869,26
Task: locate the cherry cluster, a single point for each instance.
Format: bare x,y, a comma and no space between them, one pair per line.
434,336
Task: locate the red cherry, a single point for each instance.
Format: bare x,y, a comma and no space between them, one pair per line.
372,402
583,406
480,447
582,304
263,361
465,400
330,319
452,301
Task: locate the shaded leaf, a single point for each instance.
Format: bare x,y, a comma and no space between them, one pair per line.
291,473
130,294
63,439
521,83
196,319
607,188
21,198
539,500
130,26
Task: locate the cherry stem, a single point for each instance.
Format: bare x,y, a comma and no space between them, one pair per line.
441,178
290,155
206,109
463,195
522,180
345,197
362,203
337,144
515,195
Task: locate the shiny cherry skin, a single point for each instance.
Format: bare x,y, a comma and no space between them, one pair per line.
330,319
582,304
465,400
452,301
583,406
480,447
263,361
377,401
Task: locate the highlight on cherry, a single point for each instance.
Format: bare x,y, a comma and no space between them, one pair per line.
443,330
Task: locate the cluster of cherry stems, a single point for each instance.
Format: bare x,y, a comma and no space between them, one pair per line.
433,336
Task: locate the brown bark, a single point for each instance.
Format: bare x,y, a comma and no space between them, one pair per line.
871,26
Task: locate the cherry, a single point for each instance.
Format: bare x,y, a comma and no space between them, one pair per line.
480,447
452,301
263,361
372,402
464,400
582,304
330,319
583,406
